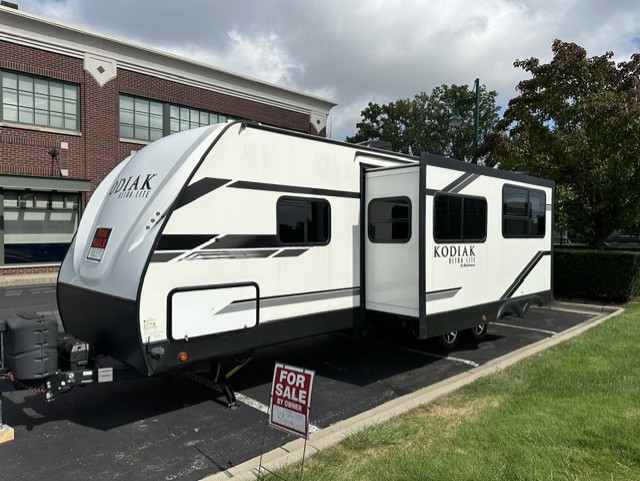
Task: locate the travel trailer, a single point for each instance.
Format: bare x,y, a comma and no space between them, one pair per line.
213,242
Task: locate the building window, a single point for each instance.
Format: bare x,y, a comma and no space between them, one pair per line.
140,119
303,221
38,101
390,220
185,118
458,218
38,226
149,120
523,212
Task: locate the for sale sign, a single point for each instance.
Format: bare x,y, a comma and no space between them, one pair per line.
290,399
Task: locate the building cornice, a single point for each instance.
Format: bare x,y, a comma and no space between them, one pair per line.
43,34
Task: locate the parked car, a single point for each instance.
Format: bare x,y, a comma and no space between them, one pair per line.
622,241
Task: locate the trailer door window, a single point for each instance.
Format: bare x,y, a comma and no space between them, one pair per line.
390,220
303,221
459,218
523,212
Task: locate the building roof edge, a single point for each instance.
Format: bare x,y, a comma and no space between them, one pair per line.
38,32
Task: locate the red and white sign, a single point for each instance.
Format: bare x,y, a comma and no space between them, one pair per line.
99,243
290,399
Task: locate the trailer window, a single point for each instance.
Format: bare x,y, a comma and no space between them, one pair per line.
523,212
458,218
390,220
303,221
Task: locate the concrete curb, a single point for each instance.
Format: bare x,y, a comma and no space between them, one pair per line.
579,307
293,452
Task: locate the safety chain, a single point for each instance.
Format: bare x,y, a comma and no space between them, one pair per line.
22,385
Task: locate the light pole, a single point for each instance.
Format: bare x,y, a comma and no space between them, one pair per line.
456,120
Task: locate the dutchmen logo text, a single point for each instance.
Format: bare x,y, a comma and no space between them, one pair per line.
138,187
464,256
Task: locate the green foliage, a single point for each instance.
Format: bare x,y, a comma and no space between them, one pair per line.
608,276
576,120
421,124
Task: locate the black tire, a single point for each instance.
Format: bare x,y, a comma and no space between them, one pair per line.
449,340
478,333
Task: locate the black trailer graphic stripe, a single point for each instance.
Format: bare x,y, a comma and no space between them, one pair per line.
234,254
208,254
293,189
187,242
198,189
525,272
165,256
183,242
442,294
291,252
246,241
215,246
465,183
458,181
276,301
450,164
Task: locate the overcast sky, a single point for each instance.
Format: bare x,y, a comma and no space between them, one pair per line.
354,52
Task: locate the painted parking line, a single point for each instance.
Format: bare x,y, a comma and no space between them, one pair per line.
246,400
252,403
525,328
263,408
413,351
453,359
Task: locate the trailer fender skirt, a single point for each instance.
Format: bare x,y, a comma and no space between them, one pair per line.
520,306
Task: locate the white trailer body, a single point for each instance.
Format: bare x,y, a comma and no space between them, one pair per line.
225,238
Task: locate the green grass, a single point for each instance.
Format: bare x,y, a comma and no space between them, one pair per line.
571,413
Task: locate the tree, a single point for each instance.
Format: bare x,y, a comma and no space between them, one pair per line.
421,124
577,121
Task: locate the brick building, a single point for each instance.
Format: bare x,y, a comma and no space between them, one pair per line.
74,104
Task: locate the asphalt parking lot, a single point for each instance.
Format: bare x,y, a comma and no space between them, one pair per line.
170,428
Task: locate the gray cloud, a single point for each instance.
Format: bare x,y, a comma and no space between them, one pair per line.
355,52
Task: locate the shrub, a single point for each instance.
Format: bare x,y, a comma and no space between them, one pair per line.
609,276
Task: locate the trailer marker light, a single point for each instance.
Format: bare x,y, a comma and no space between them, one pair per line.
182,357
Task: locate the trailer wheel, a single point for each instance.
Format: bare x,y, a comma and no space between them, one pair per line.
478,333
449,340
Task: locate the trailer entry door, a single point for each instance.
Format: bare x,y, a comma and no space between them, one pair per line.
391,243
